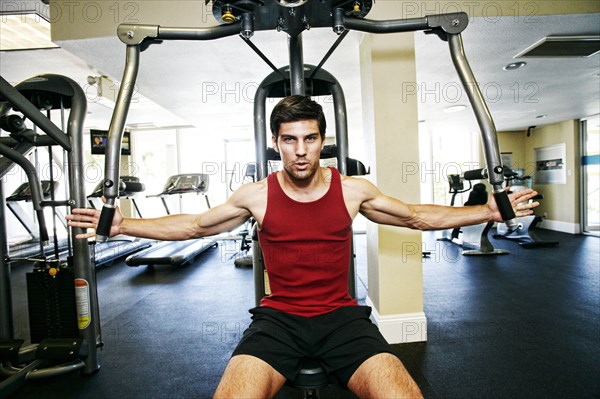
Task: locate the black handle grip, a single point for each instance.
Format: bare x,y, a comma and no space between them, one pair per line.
476,174
44,238
131,187
106,218
506,210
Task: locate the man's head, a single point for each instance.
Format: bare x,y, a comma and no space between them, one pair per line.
298,127
297,108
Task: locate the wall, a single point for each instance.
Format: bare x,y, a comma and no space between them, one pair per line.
561,201
513,142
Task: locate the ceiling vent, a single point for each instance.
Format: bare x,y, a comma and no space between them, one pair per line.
562,46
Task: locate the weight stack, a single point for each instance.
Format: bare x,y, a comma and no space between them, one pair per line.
52,309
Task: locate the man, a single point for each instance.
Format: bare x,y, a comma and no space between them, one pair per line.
304,214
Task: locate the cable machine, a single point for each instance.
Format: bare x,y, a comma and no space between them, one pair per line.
62,340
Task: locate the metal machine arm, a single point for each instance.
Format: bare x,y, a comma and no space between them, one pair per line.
138,38
448,27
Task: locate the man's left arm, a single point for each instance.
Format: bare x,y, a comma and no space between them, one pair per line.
384,209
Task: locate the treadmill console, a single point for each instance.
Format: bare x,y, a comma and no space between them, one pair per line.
187,183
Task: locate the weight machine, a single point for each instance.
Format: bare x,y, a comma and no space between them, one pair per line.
243,18
69,341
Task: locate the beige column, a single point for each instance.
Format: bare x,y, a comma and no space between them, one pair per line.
395,274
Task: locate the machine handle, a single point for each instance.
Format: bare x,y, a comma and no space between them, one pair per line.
44,238
476,174
506,210
106,218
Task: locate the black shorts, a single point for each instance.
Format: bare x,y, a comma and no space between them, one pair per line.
341,340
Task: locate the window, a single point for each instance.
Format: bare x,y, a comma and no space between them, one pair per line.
442,155
154,159
590,175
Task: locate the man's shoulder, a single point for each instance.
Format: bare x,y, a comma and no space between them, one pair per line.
358,187
354,182
251,192
253,188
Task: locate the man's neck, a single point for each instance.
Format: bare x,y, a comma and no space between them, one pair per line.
306,189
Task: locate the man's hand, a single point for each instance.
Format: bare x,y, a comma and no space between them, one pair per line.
88,219
519,201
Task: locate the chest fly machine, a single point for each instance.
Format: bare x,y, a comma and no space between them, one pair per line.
243,18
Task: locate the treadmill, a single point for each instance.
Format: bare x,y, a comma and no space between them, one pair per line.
31,247
177,253
121,245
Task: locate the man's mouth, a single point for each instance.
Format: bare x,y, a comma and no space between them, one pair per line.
301,165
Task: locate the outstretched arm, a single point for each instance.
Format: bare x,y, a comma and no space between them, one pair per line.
383,209
216,220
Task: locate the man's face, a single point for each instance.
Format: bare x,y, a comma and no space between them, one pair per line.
299,144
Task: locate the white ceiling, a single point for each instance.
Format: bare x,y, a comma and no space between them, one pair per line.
211,84
560,88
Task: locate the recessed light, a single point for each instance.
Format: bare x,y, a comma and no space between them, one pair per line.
455,108
514,65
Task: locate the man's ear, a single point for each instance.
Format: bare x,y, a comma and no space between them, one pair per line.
274,141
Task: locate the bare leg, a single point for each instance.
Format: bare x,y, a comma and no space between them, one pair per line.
249,377
383,376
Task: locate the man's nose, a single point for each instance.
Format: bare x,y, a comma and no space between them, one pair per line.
300,148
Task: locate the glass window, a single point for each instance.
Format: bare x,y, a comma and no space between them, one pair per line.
154,159
590,164
444,155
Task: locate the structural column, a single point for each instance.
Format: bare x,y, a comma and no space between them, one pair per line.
395,274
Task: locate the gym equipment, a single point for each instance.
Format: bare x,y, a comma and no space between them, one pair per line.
64,316
121,245
176,252
129,186
23,194
244,234
243,17
474,239
524,233
31,247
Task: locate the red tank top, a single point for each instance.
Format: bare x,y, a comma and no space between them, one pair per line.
306,248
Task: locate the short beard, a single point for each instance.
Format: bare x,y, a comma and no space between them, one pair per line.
302,176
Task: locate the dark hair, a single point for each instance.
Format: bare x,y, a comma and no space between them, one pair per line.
297,108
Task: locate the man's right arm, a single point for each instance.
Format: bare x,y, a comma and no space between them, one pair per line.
216,220
234,212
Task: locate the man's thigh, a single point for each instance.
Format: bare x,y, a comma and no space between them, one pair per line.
273,338
383,376
249,377
350,340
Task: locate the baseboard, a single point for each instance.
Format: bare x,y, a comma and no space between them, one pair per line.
557,225
400,328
